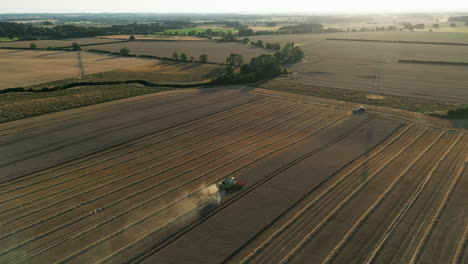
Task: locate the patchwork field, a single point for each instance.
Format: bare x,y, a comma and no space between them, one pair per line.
217,52
455,37
19,68
132,181
154,37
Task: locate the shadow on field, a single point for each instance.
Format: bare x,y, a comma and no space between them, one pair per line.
14,51
50,54
111,58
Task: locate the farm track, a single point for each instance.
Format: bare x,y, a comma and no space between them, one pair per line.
397,201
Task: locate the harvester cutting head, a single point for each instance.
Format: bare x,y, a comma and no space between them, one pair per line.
230,184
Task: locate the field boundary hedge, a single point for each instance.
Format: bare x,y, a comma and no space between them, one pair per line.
77,84
401,41
452,63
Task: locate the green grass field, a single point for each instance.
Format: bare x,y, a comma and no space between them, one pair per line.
185,31
8,39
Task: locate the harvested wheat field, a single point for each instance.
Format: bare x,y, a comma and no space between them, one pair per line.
133,181
216,51
19,68
374,67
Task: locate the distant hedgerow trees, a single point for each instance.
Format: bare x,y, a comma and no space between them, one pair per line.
289,54
245,40
229,37
131,38
235,60
183,57
261,67
203,58
76,46
33,46
175,56
124,51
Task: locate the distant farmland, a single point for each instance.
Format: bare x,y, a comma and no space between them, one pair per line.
199,29
354,65
43,44
217,52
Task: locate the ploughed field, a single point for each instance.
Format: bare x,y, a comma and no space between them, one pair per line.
19,68
133,181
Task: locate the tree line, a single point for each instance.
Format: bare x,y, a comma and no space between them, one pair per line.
262,67
30,32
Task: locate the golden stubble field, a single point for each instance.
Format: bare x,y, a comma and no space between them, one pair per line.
19,68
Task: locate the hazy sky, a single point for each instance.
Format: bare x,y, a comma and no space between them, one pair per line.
238,6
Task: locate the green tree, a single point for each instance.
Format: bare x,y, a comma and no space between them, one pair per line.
245,40
259,43
229,37
183,57
203,58
124,51
454,25
76,46
131,38
175,56
265,66
234,59
33,46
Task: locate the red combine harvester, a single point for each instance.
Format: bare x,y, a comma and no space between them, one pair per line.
230,184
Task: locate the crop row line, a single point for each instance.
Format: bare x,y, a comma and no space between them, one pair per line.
294,221
409,203
115,202
250,189
140,148
345,240
177,187
110,130
79,115
180,150
435,219
335,211
264,180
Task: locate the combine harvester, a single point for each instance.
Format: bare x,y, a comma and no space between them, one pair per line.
229,185
359,110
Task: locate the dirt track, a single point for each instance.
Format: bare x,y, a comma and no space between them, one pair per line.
119,181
